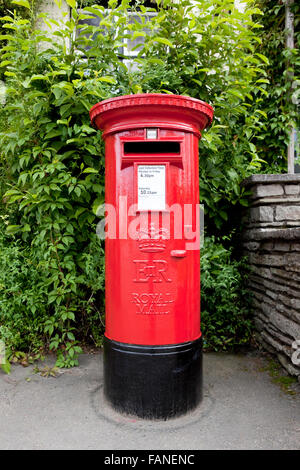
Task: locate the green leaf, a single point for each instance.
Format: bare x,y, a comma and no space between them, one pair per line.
54,133
138,34
244,202
71,3
197,81
6,367
4,63
90,170
162,41
39,77
96,205
11,229
6,18
79,211
107,79
22,3
262,113
263,58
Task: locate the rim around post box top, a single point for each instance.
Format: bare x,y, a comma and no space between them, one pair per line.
151,110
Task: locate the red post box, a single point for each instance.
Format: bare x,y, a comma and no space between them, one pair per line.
153,345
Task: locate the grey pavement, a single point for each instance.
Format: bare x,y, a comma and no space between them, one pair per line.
242,409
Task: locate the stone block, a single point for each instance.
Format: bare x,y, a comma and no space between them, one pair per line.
277,334
260,316
266,201
295,303
286,274
257,234
292,259
288,311
295,246
262,272
282,246
261,214
259,324
277,345
288,365
252,246
267,260
291,189
288,213
267,309
295,268
285,324
265,190
271,294
273,178
267,246
266,345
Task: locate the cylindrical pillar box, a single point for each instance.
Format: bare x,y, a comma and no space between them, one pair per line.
152,347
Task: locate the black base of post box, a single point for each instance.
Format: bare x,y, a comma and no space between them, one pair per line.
154,382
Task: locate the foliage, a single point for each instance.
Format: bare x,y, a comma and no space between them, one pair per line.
226,303
283,85
53,179
209,51
22,298
6,7
52,160
29,322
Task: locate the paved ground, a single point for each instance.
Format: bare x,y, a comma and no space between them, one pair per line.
242,409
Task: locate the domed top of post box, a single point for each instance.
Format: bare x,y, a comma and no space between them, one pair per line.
151,110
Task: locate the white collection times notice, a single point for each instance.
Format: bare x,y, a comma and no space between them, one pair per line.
151,187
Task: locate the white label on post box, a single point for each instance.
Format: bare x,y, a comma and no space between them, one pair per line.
151,187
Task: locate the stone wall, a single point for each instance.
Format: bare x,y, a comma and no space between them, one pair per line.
271,239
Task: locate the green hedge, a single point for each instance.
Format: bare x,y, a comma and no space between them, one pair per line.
52,160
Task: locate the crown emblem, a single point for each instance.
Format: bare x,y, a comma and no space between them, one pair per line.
153,240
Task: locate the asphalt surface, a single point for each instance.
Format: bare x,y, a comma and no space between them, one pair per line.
242,409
